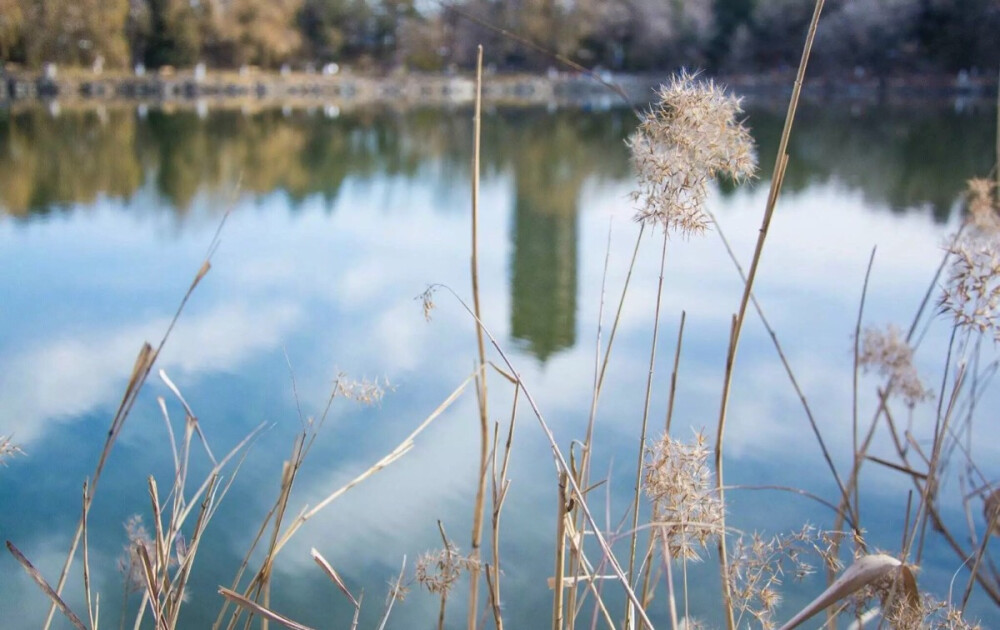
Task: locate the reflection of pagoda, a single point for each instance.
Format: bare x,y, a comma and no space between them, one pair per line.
543,270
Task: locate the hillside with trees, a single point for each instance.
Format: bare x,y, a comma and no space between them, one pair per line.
733,36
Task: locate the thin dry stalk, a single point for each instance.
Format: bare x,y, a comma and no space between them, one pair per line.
589,577
402,449
57,601
670,413
259,583
991,524
501,484
163,591
92,616
484,432
784,362
599,372
333,575
578,495
255,608
143,364
645,419
779,172
560,571
395,592
989,587
673,374
854,390
140,371
667,562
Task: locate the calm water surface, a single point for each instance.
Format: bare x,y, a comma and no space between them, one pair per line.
340,220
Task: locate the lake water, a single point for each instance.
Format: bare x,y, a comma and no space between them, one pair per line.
340,220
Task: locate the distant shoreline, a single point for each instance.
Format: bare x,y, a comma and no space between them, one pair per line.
344,89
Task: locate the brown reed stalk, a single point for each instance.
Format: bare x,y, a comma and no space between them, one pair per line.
991,524
670,414
394,594
854,387
278,540
667,562
35,575
164,590
140,371
501,484
599,372
484,432
640,458
784,362
578,496
448,553
560,567
590,576
781,163
674,372
91,615
255,608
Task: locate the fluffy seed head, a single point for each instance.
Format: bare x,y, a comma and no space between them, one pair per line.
685,503
887,352
129,562
972,292
8,449
440,570
691,135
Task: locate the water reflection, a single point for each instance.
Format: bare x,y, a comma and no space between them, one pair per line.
898,157
549,173
342,221
901,157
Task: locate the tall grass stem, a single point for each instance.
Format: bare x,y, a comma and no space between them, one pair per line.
781,163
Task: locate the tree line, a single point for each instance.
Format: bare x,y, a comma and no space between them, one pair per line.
879,36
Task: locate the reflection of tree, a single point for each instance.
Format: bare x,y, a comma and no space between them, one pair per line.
551,157
900,157
52,162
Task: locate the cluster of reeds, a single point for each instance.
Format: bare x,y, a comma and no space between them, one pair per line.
692,135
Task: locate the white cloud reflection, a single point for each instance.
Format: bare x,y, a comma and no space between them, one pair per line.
61,379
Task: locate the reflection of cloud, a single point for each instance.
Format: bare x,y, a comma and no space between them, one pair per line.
73,376
23,603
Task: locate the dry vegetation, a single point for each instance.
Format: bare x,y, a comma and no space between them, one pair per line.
693,134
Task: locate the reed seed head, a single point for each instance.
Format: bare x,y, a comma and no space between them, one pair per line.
427,301
758,566
692,135
439,571
129,562
972,291
680,486
926,614
8,449
887,352
991,511
364,391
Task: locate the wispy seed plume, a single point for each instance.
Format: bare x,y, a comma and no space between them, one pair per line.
972,292
685,502
692,135
887,352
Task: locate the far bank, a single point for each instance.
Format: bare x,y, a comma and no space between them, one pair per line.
345,88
